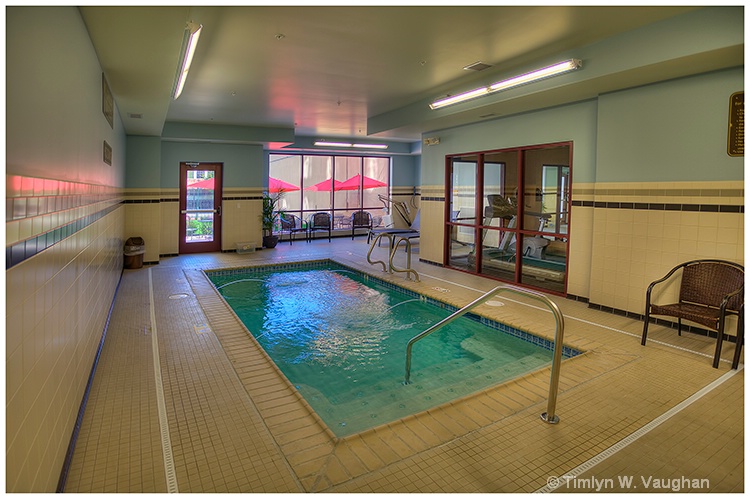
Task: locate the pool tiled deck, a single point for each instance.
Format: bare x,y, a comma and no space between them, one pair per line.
231,422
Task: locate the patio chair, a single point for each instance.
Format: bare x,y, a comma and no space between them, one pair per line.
292,224
362,220
319,221
710,290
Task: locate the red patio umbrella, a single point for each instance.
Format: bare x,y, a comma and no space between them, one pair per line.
352,184
202,184
276,185
325,186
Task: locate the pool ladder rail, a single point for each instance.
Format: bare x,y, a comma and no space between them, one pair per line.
548,416
394,240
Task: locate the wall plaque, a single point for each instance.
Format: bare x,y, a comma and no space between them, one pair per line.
736,132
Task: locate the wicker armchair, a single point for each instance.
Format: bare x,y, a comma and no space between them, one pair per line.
292,224
319,221
710,290
361,220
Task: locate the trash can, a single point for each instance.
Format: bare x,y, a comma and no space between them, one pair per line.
133,251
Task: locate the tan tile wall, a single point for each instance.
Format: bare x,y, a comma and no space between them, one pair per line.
431,229
615,253
153,214
169,240
241,218
143,218
633,247
57,302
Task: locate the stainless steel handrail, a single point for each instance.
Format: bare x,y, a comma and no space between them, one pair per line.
548,416
372,247
392,249
408,270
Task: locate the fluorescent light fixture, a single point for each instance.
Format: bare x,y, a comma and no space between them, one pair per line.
533,76
455,99
333,144
194,33
540,74
349,145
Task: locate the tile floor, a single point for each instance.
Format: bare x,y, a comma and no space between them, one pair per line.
184,401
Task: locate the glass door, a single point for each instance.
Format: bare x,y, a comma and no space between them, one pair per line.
200,207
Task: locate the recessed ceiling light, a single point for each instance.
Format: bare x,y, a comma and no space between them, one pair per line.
280,36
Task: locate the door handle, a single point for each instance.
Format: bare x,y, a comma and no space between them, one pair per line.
218,210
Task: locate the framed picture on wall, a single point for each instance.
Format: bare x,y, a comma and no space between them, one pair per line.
108,103
107,153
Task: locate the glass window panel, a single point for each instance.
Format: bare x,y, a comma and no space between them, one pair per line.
463,190
376,180
348,171
317,181
461,253
500,189
287,169
538,242
544,263
316,185
499,254
199,198
545,188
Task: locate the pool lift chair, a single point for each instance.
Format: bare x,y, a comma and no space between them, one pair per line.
409,233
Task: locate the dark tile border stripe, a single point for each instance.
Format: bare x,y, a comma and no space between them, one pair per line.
26,249
680,207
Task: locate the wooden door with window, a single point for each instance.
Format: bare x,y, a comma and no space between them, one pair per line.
200,207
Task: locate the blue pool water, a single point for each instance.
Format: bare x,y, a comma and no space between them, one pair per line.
340,337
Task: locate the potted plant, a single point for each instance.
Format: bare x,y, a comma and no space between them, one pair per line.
268,218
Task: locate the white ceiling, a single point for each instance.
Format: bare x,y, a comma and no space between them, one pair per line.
325,70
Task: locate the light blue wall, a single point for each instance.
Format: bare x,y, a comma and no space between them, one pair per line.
243,164
575,122
671,131
55,125
405,171
143,162
155,163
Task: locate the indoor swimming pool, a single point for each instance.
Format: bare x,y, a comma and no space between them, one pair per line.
339,336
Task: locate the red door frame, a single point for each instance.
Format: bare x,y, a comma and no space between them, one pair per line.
202,246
